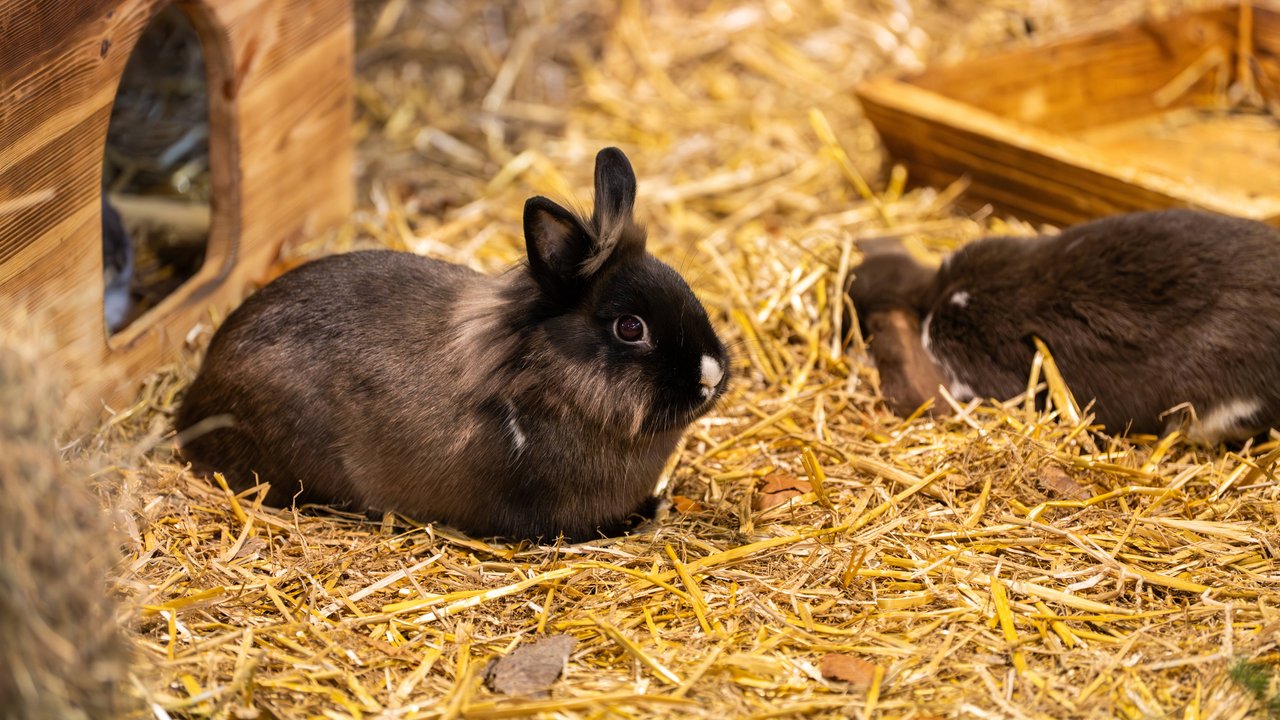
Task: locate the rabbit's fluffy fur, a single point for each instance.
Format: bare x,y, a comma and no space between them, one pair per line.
1165,319
515,406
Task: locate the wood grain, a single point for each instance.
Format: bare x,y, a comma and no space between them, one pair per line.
280,80
1091,80
1073,131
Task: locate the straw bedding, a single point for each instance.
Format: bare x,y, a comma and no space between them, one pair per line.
62,654
823,558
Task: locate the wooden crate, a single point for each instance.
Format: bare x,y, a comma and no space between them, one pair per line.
279,74
1130,119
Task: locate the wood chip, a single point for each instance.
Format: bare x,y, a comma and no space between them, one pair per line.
847,668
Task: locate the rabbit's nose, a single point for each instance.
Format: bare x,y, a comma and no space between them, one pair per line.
712,373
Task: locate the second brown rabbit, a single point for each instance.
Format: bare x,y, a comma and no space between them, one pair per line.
1163,319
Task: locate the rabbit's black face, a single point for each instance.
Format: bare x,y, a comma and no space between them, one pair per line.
622,318
659,342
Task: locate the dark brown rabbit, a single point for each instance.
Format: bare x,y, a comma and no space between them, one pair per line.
1163,319
544,401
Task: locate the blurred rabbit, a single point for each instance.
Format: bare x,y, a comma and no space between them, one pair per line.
1164,320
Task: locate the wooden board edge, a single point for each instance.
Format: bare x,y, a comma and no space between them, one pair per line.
887,93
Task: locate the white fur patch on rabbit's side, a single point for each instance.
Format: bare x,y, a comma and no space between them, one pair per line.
513,424
1224,421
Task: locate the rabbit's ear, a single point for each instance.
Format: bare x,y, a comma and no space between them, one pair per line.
615,191
616,233
557,245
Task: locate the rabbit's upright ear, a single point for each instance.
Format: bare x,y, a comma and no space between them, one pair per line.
615,191
557,246
612,218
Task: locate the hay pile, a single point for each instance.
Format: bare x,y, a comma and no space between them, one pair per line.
999,564
61,652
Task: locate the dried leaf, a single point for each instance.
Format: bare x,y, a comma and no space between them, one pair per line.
251,548
778,489
686,505
1055,482
531,669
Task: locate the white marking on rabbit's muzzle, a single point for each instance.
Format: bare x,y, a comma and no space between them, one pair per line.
712,374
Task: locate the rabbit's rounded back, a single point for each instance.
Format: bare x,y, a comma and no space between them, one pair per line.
542,401
1143,312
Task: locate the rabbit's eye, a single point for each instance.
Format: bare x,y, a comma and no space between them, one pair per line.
629,329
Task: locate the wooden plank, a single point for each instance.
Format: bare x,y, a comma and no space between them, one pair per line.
53,169
50,119
1237,153
1039,174
37,32
1266,42
280,79
1088,81
1067,176
278,113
